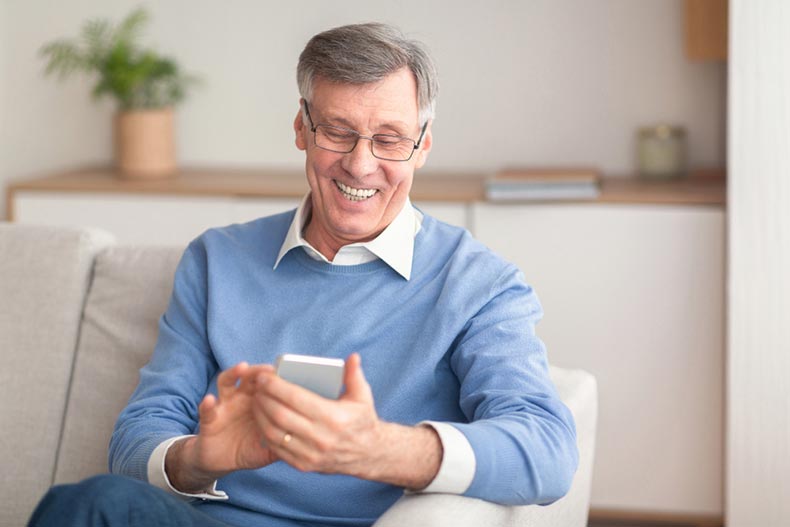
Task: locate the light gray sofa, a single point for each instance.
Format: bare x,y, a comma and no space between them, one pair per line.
78,318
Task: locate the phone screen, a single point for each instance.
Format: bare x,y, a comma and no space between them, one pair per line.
321,375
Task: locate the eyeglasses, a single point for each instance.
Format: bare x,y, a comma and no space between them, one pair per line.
388,147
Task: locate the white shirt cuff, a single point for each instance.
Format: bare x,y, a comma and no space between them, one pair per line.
158,477
458,461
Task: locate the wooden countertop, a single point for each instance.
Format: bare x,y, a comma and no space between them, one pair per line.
428,186
689,191
239,182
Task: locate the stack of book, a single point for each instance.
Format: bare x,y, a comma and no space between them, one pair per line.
544,184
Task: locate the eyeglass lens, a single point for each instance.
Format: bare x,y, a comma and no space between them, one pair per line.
384,146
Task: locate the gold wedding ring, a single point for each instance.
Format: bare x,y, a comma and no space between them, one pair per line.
286,438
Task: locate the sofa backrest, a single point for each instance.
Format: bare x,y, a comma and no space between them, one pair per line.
128,294
44,274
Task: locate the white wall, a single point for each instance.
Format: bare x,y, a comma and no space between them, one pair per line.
3,81
758,420
523,81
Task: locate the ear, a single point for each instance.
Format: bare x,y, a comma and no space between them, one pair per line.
425,146
300,128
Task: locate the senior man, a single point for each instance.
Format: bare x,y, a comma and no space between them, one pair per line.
454,395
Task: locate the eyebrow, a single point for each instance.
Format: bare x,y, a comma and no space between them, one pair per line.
398,127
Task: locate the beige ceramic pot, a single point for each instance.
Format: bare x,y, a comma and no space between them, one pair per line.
145,144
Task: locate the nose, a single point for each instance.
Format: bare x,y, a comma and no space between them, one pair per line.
360,162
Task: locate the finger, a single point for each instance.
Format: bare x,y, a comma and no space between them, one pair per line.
357,387
278,415
261,419
297,455
249,380
207,410
270,433
300,400
290,447
226,382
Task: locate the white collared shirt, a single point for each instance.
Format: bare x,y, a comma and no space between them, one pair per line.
394,246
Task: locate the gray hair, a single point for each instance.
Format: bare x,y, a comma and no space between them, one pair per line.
366,53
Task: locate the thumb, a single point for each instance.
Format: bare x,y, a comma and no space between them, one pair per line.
357,387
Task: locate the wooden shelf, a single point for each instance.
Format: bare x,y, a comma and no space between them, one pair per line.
270,183
674,192
614,517
428,186
706,29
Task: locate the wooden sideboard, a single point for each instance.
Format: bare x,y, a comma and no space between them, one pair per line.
270,183
632,285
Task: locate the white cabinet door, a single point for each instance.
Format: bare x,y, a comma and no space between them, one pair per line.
635,295
168,220
453,213
247,209
132,218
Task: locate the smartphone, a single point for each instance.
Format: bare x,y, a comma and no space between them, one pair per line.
321,375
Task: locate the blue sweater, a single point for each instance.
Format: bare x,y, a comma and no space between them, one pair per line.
455,343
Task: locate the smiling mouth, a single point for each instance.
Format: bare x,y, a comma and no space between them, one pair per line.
355,194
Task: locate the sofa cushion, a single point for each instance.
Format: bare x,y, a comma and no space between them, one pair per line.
578,390
129,293
44,274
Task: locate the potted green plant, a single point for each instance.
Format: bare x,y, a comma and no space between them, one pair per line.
145,85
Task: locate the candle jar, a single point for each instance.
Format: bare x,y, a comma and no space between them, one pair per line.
662,152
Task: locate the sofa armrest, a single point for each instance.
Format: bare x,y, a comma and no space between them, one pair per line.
578,391
45,273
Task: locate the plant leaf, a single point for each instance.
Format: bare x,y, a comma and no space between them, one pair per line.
135,77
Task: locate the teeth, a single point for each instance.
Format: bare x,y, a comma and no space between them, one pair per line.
355,194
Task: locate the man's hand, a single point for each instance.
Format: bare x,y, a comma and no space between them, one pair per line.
229,438
346,436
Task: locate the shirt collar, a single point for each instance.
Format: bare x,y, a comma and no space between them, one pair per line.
395,244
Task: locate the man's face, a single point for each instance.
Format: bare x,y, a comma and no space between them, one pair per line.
385,107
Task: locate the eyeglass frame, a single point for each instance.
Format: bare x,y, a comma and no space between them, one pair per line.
372,138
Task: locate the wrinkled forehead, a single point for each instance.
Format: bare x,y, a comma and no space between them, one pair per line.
393,98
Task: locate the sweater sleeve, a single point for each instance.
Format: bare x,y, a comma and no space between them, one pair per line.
172,384
522,435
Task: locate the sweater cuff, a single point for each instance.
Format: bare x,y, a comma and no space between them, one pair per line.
158,477
457,469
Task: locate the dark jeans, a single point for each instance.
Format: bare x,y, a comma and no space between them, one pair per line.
116,501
